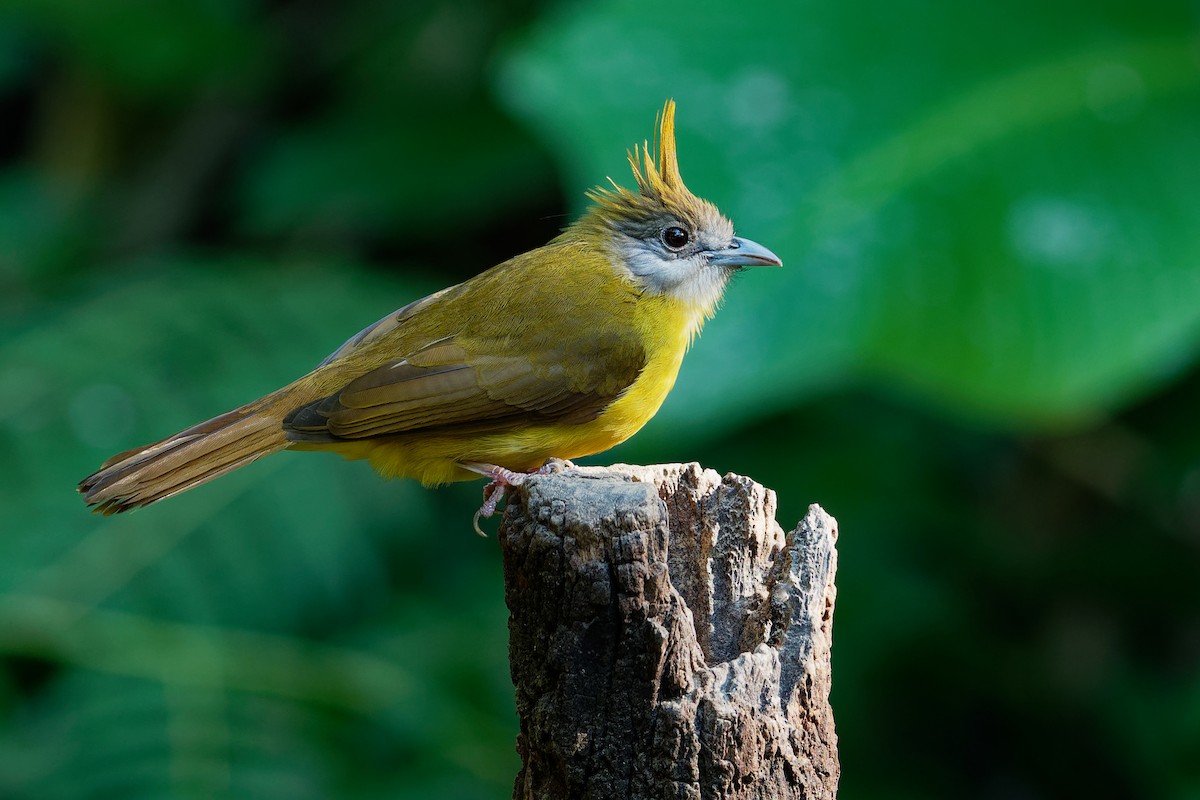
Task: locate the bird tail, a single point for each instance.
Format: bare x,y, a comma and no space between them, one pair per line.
191,457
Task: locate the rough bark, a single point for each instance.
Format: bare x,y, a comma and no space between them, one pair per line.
668,639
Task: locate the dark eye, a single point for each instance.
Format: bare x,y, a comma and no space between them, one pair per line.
675,238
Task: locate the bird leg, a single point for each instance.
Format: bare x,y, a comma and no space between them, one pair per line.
502,478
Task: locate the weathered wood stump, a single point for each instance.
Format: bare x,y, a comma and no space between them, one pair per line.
668,639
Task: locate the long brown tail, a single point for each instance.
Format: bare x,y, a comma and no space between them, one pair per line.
191,457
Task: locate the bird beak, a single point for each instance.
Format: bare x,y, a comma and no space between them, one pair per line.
744,253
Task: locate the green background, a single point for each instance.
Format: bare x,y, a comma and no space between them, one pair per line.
981,357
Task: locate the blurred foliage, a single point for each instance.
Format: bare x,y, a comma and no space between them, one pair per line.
981,357
919,186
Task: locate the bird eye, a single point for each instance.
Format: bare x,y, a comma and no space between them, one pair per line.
675,238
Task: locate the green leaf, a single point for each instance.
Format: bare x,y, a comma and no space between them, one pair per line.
1002,226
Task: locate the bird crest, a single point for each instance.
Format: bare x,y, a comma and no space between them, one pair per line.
660,186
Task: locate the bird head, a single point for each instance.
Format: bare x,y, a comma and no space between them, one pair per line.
667,240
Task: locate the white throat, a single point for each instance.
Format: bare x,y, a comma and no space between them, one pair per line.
691,280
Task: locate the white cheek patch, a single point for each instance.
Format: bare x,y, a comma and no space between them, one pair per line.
691,280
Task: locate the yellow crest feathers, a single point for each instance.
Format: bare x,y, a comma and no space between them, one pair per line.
662,178
660,186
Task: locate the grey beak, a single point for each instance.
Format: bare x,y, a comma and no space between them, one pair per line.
744,253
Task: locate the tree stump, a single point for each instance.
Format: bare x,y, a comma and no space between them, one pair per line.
668,639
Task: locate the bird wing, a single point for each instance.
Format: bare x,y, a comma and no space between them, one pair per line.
476,384
384,326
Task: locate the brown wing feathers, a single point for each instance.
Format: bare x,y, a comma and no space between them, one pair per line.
405,396
393,399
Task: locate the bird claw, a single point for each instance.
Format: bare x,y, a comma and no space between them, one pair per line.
493,493
554,466
503,478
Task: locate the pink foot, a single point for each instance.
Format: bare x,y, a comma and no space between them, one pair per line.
502,478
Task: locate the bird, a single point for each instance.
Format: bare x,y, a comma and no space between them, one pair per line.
557,353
